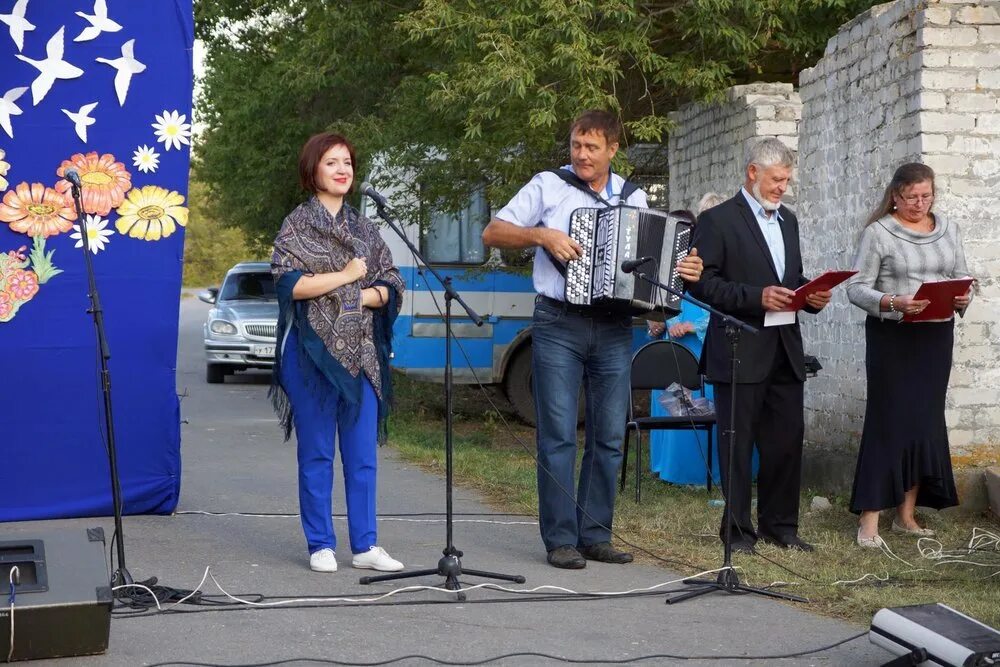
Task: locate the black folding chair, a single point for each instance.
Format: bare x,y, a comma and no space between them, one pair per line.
657,365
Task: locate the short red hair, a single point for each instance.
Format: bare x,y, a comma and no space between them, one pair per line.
313,151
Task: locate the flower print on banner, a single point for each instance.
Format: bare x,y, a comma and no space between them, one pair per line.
36,210
23,285
151,213
98,235
145,159
104,179
171,130
4,168
20,276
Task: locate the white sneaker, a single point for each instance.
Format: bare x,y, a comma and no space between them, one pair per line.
376,558
323,560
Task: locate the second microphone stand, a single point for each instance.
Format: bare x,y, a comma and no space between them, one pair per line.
450,565
727,580
121,575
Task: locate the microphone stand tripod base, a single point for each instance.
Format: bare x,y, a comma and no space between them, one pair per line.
449,567
729,582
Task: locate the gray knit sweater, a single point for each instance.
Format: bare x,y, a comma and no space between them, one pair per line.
892,259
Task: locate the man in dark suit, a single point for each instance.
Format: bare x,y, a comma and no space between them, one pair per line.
752,265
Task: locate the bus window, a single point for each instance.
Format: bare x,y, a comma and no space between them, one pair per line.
457,239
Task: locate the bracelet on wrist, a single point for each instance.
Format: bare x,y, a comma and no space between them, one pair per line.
892,304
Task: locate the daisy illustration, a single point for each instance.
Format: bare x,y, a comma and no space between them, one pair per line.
145,159
98,234
171,130
151,213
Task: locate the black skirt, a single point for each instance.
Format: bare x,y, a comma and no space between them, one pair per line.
905,438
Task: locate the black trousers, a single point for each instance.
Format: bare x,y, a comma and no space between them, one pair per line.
769,414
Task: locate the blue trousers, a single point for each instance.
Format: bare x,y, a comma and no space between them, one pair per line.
317,431
568,349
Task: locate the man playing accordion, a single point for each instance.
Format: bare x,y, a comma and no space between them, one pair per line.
576,343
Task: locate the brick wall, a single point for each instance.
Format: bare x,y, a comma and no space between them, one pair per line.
705,149
912,80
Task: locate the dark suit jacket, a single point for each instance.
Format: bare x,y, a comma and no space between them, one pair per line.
738,266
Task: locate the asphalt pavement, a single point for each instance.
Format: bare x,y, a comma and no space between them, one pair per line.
237,471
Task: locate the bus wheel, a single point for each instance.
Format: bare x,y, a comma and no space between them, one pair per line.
517,386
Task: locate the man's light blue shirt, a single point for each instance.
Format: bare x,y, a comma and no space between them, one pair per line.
771,230
547,199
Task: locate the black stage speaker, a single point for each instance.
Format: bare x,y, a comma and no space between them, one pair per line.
63,604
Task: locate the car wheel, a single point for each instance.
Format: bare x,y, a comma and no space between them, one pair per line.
215,373
517,387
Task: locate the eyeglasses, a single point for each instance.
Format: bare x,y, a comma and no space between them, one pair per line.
915,199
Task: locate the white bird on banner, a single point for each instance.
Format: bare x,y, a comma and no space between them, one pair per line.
8,109
52,68
127,65
17,23
82,119
99,22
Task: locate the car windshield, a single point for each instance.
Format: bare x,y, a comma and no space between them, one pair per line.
248,287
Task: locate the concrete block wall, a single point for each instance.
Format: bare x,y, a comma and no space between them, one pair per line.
911,80
706,147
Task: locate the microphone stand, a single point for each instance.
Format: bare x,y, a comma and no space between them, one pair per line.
450,565
121,575
727,580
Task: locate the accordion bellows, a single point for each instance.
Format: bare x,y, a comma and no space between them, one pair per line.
610,236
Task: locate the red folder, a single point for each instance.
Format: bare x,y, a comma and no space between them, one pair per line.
941,295
825,281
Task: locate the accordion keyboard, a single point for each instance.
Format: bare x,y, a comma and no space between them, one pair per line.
579,272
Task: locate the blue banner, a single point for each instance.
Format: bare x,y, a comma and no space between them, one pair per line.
103,87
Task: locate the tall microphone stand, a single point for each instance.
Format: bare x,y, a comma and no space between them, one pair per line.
727,580
450,565
121,575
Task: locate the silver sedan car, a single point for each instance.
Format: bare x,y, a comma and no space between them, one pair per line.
240,330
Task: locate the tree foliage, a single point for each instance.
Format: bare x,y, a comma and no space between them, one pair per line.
455,94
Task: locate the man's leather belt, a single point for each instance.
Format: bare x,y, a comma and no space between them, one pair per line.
579,309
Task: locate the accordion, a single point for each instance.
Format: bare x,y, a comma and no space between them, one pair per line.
610,236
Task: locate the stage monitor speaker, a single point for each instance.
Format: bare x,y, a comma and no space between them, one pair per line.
935,635
62,605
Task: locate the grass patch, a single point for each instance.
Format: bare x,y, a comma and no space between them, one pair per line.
679,524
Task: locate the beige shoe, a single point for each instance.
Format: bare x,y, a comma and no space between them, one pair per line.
918,532
875,542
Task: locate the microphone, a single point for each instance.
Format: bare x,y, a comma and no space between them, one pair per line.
73,176
631,265
369,190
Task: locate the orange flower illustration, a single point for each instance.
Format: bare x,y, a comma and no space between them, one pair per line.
36,210
105,181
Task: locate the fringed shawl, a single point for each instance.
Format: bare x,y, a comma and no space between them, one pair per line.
339,341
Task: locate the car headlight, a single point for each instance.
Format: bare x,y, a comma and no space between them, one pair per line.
223,327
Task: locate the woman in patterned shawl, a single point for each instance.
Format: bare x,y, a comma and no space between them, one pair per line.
338,294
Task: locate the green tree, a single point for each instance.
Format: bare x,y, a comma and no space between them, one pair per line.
456,94
209,248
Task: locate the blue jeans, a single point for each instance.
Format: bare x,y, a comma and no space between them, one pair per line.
568,348
317,430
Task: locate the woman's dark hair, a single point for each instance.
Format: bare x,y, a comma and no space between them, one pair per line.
313,151
908,174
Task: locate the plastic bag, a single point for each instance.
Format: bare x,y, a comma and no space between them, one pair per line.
678,402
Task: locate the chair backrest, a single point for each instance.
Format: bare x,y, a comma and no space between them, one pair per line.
659,364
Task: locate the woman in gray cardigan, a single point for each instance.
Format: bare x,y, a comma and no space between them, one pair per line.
904,460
